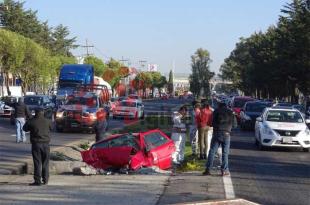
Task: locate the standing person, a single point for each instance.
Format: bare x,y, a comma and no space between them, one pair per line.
223,121
39,128
204,124
193,131
179,135
21,113
101,125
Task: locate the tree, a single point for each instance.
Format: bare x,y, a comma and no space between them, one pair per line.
170,83
25,22
98,64
62,44
274,63
143,81
201,75
114,64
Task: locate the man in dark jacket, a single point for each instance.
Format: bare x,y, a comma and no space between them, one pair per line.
21,113
39,128
223,121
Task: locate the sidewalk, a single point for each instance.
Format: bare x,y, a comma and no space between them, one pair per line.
192,187
68,189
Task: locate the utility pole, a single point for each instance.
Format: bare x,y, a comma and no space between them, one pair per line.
87,46
142,63
124,60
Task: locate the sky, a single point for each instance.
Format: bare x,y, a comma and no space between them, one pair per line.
159,31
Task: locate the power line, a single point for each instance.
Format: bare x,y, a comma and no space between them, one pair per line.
87,46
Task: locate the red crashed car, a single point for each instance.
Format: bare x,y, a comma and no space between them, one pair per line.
131,150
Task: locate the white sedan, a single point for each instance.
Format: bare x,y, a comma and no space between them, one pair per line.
129,109
282,127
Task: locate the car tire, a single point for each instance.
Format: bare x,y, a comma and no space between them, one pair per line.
242,126
142,117
256,141
306,149
260,146
59,129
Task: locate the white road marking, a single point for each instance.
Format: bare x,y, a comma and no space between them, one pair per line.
228,187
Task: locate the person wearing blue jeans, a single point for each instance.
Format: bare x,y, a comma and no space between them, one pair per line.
20,133
21,113
223,121
219,139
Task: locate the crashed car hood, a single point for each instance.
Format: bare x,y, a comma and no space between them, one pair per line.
285,125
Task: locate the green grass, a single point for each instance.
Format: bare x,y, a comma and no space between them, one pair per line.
191,163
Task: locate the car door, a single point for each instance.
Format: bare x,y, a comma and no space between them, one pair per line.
159,148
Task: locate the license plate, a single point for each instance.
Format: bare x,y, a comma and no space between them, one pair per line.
288,140
74,125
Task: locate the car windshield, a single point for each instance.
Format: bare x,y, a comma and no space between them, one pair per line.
255,107
68,83
128,104
284,116
90,102
240,102
33,101
120,141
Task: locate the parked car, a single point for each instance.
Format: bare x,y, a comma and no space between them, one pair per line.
282,127
5,110
40,101
134,97
282,104
80,112
133,109
164,96
250,111
8,107
132,151
237,104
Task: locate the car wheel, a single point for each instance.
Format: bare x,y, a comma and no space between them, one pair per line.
256,141
142,117
59,129
12,121
306,149
242,126
260,146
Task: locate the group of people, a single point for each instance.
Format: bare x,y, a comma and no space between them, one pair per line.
207,125
39,128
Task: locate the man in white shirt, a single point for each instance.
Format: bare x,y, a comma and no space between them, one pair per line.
179,135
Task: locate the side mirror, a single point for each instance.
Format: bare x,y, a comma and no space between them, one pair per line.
307,121
259,119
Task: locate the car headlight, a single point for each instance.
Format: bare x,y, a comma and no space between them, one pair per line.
59,114
307,131
267,130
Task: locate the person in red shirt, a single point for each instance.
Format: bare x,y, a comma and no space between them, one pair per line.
204,123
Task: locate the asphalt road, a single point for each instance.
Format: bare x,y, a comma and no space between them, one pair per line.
275,176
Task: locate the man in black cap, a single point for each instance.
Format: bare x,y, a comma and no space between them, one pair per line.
39,128
223,121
